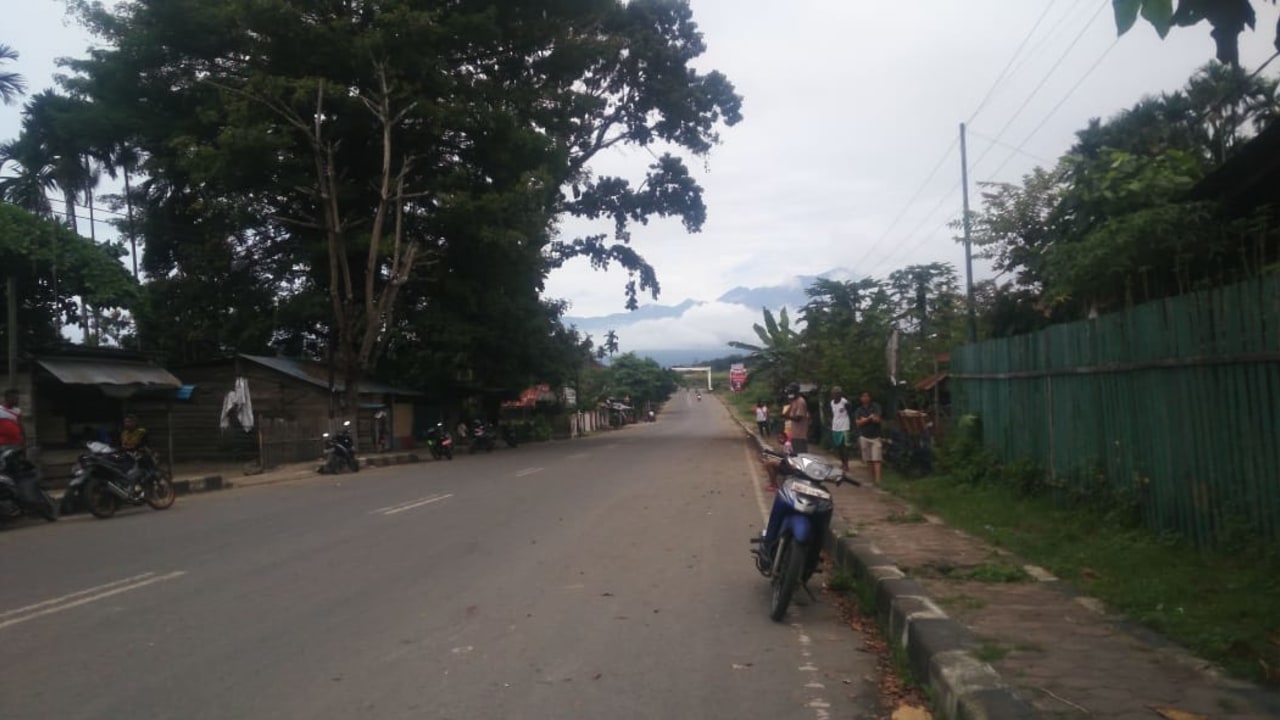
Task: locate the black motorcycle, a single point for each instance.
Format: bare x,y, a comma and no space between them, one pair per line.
481,437
107,477
21,492
339,452
508,435
440,442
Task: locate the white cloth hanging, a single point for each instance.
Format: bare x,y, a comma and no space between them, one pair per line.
238,405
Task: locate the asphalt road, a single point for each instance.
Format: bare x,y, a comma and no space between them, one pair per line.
601,577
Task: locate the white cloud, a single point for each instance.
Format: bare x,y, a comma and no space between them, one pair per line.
709,326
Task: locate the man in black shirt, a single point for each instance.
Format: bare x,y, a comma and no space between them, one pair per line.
867,418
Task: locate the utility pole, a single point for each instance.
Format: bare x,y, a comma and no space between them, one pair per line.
11,304
968,244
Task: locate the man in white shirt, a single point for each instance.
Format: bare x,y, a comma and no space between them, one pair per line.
840,424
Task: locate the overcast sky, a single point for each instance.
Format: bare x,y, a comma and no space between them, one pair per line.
848,108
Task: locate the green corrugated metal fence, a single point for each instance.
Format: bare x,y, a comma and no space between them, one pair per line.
1175,400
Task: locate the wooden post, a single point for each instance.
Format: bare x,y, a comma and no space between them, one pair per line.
168,410
11,303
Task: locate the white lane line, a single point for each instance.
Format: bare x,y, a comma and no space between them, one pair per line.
402,504
74,595
90,598
428,501
528,471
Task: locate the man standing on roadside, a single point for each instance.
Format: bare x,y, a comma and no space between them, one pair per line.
867,416
798,413
840,407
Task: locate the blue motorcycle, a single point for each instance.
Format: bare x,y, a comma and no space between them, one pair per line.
789,550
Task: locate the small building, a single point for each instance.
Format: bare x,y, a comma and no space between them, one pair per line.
74,394
292,406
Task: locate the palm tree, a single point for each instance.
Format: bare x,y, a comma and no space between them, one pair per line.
30,179
610,343
11,83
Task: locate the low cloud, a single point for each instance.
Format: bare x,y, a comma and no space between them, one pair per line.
709,326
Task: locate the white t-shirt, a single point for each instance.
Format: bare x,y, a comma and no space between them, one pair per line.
762,413
840,415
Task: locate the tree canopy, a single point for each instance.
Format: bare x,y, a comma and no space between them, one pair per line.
1228,18
394,198
53,266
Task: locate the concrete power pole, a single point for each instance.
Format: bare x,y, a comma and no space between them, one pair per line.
968,244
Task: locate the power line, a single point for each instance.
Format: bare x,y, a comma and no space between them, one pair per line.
902,213
1009,146
999,78
1058,106
941,201
1039,86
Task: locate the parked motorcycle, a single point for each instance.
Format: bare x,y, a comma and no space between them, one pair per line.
789,549
339,452
440,442
481,437
107,477
21,492
508,435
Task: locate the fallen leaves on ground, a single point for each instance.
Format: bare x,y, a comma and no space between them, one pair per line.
911,712
895,692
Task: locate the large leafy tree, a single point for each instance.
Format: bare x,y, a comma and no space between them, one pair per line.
30,249
412,172
1228,18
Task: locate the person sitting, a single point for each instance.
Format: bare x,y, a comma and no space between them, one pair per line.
133,438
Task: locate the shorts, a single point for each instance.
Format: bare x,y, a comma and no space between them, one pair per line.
839,438
870,448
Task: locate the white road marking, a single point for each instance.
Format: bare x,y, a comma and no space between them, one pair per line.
412,504
84,597
528,471
74,595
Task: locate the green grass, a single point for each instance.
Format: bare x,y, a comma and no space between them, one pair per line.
993,573
989,652
1221,605
906,518
841,581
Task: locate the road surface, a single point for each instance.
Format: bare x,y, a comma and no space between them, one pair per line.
601,577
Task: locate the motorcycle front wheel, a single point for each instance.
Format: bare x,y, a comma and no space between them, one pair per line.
787,578
161,496
99,499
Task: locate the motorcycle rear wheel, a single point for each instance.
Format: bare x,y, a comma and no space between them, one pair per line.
102,503
47,509
788,577
161,495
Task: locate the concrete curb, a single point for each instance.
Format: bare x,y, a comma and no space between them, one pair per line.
936,647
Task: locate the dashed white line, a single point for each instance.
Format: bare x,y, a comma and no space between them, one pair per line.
528,471
409,505
84,597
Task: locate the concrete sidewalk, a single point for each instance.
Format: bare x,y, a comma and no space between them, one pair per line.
1036,648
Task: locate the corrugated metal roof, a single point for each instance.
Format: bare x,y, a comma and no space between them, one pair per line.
89,371
318,374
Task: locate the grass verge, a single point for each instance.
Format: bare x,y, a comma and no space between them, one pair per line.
1223,606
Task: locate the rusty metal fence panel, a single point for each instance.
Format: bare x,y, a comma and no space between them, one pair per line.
289,441
1174,401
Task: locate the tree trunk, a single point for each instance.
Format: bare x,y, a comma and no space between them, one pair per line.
133,238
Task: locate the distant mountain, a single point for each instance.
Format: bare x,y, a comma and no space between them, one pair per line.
652,330
615,320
